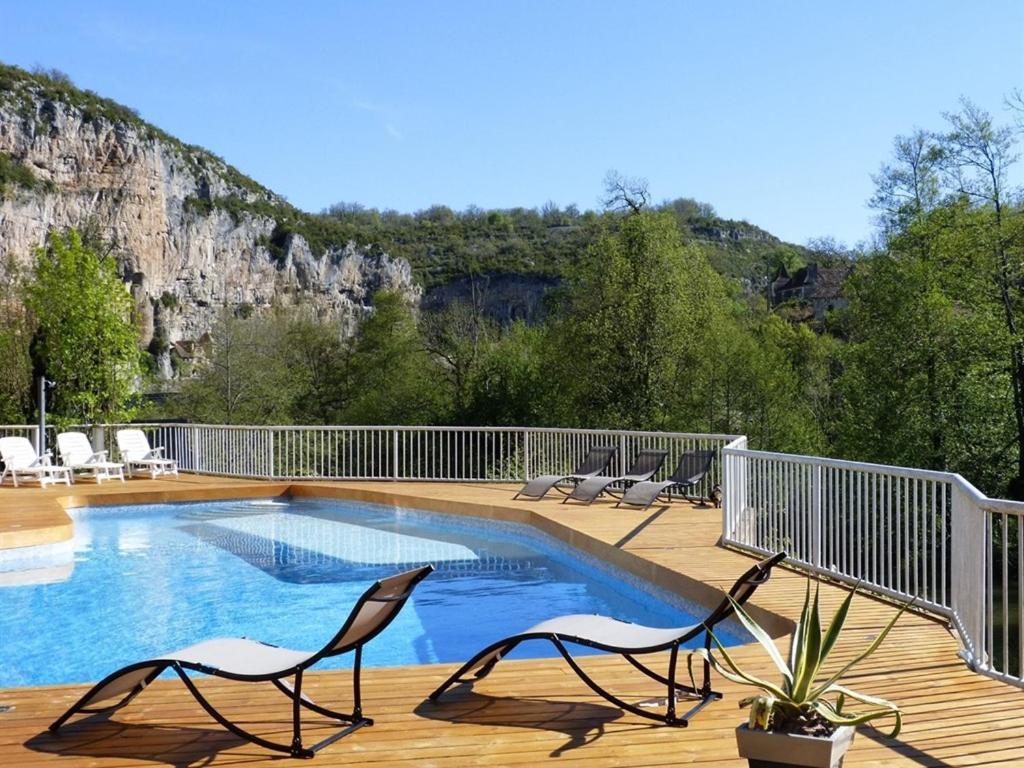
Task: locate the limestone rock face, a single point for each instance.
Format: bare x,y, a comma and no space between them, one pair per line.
184,263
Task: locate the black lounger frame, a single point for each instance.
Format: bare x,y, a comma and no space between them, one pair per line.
354,719
703,694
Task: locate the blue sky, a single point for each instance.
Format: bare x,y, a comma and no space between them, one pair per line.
775,112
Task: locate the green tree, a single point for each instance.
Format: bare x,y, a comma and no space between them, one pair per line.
925,381
389,376
508,380
85,341
316,356
15,337
457,336
247,378
976,156
762,377
631,320
934,373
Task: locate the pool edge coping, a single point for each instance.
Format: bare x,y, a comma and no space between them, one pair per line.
660,576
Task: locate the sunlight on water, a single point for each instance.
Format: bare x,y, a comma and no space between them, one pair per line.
148,579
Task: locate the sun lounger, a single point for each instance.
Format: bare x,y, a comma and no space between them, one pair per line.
251,661
644,467
692,468
594,463
133,445
629,641
21,460
76,453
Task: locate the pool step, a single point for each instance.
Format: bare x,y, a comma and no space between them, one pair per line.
240,509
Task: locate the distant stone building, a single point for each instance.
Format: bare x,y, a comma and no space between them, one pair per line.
819,287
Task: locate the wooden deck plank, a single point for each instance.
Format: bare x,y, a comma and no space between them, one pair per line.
526,712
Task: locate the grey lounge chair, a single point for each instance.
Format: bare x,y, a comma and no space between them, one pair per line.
594,463
252,661
628,640
644,467
692,468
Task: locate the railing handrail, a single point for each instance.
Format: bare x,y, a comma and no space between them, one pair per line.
988,503
430,427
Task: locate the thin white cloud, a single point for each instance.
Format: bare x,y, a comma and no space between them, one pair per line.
384,113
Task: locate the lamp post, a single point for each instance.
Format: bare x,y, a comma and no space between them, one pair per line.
41,434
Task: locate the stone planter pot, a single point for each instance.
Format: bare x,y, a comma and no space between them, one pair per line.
765,749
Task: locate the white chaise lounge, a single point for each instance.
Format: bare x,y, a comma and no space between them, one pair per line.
21,461
77,454
133,446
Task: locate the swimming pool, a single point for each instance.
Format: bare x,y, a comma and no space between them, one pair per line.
149,579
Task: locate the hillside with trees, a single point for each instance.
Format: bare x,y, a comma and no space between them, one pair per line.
655,317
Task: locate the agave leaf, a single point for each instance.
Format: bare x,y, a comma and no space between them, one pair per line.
836,627
828,712
798,635
864,698
761,710
746,678
764,639
857,659
728,674
810,656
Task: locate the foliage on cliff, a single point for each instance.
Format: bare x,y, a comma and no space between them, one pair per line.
925,367
85,339
31,96
440,243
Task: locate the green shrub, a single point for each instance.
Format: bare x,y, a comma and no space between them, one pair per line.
14,176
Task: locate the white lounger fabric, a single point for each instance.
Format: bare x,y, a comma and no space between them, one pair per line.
251,661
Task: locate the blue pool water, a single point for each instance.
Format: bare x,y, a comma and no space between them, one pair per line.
143,580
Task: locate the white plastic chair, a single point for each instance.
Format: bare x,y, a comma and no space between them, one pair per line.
133,445
77,454
21,460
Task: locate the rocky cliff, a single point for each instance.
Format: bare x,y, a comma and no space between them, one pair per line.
81,161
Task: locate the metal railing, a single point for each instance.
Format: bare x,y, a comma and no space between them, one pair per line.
901,532
436,454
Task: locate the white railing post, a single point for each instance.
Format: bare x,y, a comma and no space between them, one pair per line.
815,551
271,474
395,474
733,487
526,455
197,462
728,481
967,572
99,437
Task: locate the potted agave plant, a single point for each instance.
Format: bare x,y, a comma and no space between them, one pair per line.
802,721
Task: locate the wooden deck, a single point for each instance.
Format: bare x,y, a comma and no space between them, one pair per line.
526,712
